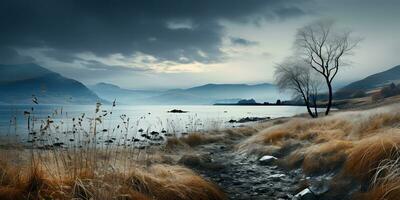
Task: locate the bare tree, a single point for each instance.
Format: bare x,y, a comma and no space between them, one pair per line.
296,76
323,47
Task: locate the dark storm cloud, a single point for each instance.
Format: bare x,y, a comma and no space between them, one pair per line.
10,56
95,65
288,12
242,41
159,28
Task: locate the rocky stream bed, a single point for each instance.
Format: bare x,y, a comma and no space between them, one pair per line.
241,177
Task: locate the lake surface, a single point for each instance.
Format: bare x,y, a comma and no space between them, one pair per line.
13,121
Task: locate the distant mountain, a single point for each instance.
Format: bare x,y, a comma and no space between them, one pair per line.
125,96
19,82
22,72
214,93
177,98
224,91
372,82
205,94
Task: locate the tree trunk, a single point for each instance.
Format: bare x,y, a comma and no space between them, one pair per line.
315,107
330,95
308,107
309,111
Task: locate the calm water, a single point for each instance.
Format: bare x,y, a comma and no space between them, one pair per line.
149,118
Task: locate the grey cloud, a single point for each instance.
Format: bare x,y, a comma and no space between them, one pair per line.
242,41
95,65
288,12
106,27
11,56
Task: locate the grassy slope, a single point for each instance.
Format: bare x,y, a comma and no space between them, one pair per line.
365,102
360,145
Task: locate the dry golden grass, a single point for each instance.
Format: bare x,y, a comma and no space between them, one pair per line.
379,121
348,126
388,191
368,153
88,158
221,136
385,183
276,136
319,158
174,143
246,131
195,139
326,157
358,144
166,182
29,184
153,182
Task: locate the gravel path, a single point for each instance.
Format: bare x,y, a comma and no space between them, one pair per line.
242,178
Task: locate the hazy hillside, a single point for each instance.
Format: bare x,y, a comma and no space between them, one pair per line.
22,72
221,91
229,93
372,82
125,96
205,94
19,82
177,98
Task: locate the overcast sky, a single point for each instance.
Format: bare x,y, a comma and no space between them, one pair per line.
182,43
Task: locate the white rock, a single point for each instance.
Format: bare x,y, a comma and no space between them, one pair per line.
267,158
277,176
303,192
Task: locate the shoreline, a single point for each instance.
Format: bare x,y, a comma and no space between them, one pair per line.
303,154
260,104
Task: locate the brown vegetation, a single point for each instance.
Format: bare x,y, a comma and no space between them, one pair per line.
90,160
367,155
324,157
359,144
194,139
386,191
34,180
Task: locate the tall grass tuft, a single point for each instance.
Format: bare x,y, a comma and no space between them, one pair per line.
367,155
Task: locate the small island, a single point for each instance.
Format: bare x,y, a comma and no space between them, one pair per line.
252,102
177,111
249,119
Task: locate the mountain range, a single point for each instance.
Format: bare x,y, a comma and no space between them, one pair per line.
19,82
205,94
371,82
